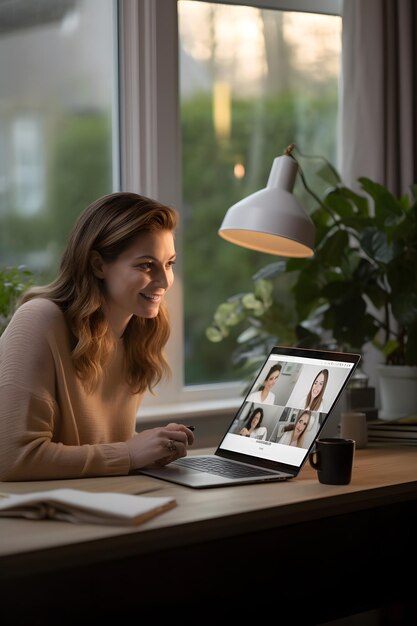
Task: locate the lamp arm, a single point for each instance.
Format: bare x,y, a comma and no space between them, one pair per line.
337,222
316,198
292,147
289,152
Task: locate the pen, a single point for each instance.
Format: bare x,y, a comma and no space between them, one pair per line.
191,427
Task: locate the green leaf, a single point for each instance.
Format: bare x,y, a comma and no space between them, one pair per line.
404,308
388,208
339,204
270,270
247,334
360,202
263,291
390,347
214,335
334,248
227,314
375,244
13,282
253,304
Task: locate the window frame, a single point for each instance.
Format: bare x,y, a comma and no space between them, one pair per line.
150,164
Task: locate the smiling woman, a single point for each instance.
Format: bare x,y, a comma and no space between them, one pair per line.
79,354
136,281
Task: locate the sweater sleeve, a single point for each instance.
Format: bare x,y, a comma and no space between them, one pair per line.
27,451
28,411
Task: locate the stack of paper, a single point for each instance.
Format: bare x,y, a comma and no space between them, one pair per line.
73,505
402,431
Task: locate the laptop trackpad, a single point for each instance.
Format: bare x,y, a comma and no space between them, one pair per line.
185,476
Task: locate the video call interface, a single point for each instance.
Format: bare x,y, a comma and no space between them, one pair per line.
286,407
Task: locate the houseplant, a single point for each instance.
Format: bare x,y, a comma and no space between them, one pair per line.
13,282
360,286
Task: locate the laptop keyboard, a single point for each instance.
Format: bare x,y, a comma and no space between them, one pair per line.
221,467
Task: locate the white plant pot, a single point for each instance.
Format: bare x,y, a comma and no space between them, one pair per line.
397,391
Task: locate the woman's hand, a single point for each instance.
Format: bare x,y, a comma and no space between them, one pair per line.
244,432
159,445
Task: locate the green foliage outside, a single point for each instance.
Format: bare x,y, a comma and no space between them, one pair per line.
79,170
213,268
13,282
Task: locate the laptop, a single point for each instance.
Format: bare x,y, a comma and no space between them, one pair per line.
273,431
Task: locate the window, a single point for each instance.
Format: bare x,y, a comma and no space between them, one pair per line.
28,164
97,96
252,81
57,85
179,147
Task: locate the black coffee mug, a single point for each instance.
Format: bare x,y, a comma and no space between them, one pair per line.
332,457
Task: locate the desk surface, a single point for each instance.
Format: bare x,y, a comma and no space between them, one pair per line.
346,540
381,476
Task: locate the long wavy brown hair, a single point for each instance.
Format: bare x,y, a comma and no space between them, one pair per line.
300,440
314,405
109,226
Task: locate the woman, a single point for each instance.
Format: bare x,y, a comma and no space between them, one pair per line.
264,393
80,353
294,434
253,426
314,398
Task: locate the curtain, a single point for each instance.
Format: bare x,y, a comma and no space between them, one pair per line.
379,92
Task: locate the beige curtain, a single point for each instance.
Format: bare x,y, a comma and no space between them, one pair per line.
379,92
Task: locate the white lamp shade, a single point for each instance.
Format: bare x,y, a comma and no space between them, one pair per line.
271,220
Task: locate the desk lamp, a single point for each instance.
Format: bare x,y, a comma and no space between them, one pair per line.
271,220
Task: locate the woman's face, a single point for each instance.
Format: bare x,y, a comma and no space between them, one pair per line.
255,420
136,282
271,380
301,424
317,386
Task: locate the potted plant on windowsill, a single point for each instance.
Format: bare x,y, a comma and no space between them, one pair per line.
360,286
13,282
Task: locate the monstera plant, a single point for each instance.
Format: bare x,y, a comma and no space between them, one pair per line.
360,286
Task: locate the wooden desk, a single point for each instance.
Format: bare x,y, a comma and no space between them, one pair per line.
317,550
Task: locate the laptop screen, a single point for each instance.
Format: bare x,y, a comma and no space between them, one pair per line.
288,404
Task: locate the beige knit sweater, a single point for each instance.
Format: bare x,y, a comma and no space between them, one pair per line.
50,427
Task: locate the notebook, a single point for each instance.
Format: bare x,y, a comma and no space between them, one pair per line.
75,505
275,428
